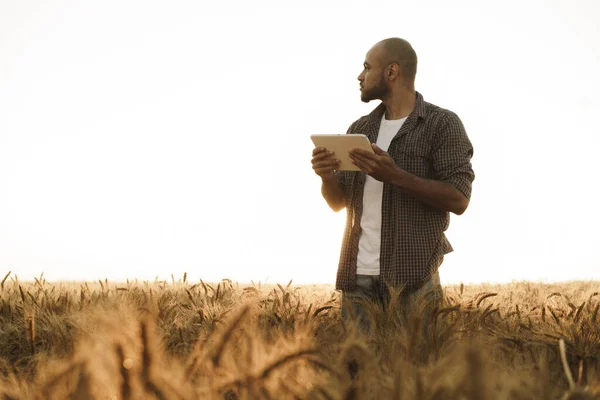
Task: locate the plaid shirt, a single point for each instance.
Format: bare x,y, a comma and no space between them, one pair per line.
432,144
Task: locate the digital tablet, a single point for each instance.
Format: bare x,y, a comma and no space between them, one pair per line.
341,145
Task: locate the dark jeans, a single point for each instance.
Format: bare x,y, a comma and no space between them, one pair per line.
355,304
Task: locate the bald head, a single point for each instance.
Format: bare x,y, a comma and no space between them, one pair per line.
399,51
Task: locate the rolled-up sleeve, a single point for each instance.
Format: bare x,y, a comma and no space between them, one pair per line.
452,152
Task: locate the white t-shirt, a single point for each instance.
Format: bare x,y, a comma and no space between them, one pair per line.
369,243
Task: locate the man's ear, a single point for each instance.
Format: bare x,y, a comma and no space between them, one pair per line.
393,70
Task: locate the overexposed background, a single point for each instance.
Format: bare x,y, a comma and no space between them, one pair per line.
144,138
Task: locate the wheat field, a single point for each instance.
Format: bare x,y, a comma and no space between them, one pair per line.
197,340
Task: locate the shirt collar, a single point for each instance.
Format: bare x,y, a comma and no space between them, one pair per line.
420,109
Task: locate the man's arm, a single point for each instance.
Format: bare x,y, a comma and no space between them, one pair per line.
324,163
438,194
333,194
451,161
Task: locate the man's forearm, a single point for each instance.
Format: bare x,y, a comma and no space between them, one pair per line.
437,194
333,194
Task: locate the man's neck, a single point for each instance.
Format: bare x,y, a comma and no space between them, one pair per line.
399,105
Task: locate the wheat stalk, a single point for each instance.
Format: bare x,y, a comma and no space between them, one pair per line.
125,374
83,391
483,297
563,357
31,331
147,363
216,358
284,360
46,389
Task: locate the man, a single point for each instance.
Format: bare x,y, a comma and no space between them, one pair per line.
398,206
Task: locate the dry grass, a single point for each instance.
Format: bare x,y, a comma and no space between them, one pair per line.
178,340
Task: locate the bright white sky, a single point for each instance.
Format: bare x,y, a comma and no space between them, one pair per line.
144,138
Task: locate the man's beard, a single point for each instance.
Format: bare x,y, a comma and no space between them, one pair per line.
376,92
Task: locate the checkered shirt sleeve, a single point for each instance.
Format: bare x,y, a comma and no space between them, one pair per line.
451,155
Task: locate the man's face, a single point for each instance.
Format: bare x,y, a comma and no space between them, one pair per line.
373,84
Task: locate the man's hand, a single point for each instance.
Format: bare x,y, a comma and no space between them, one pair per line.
380,166
324,163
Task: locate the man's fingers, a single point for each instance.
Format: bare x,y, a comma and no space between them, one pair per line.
322,171
365,160
327,155
362,152
318,150
362,165
322,154
378,150
325,169
333,163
